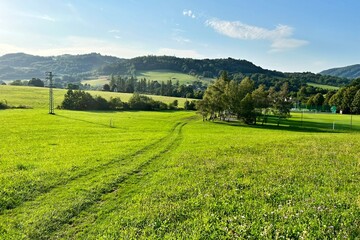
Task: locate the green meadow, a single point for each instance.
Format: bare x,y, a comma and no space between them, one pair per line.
155,75
328,87
169,175
165,75
38,97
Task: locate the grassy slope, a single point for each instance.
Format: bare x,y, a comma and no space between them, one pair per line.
158,75
164,174
37,97
323,86
100,81
165,75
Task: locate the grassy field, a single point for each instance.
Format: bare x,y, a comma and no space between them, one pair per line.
100,81
165,75
328,87
37,97
170,175
158,75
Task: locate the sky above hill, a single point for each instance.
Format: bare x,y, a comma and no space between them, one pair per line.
306,35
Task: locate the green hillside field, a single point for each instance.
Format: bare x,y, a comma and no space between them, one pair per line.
328,87
157,175
38,97
158,75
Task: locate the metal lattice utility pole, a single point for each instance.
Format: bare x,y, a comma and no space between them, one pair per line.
49,77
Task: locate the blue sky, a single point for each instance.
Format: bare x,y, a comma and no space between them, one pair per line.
284,35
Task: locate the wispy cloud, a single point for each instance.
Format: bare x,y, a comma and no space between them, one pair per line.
45,17
177,36
280,37
186,53
189,13
37,16
114,31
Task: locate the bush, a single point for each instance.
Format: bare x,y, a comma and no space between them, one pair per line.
78,100
36,82
3,105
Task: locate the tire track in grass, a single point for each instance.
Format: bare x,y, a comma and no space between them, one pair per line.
29,196
38,219
110,201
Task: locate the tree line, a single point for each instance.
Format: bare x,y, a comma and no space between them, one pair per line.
81,100
346,99
153,87
228,98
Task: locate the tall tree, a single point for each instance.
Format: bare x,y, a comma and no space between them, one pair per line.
247,112
355,105
282,102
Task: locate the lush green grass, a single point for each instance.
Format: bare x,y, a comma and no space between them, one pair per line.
328,87
37,97
170,175
165,75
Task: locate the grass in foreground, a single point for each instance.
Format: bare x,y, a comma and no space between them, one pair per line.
170,175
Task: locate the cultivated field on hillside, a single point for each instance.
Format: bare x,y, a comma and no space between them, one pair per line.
74,175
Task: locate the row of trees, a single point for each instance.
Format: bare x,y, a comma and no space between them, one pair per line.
228,98
35,82
346,99
168,88
81,100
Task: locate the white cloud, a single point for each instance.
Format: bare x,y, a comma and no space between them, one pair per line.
189,13
280,37
283,44
185,53
45,17
113,31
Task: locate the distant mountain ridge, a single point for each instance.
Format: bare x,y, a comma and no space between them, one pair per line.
350,72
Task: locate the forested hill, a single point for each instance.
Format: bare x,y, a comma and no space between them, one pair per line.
25,66
22,66
351,72
205,67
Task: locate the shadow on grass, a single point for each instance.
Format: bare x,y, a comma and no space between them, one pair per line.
110,124
86,121
295,126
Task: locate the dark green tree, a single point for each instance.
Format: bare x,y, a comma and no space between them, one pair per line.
355,105
247,110
36,82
